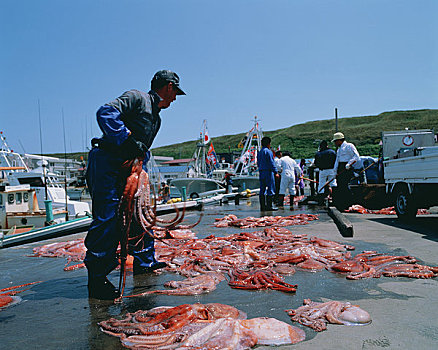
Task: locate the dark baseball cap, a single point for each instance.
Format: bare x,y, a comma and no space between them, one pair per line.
169,76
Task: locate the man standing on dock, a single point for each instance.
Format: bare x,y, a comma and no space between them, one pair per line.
347,157
267,174
325,160
129,125
289,168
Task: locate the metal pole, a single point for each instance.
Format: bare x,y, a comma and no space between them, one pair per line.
41,144
65,166
336,118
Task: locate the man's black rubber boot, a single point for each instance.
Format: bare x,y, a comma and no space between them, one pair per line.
101,288
280,202
138,270
262,200
292,202
270,206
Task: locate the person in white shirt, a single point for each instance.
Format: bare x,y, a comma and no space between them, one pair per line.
348,163
288,169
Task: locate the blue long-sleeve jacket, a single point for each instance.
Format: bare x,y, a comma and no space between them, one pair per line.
265,160
134,113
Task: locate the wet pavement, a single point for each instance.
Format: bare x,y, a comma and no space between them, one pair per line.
57,314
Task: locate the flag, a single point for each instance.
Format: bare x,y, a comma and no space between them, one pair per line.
206,137
211,156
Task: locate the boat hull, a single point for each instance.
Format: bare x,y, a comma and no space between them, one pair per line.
246,182
196,186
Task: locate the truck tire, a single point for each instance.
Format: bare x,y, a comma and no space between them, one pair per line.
404,205
194,195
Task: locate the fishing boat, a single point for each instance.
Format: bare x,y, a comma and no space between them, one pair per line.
199,181
245,171
47,185
20,213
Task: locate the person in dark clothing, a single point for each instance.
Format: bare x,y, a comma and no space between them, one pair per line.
300,182
325,160
267,174
277,161
228,182
165,192
129,125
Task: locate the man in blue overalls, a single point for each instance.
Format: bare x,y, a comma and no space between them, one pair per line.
129,125
267,171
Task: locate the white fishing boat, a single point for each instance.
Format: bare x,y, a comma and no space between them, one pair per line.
199,181
20,212
47,186
245,171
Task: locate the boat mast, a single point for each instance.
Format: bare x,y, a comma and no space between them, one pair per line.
254,134
41,144
65,166
204,165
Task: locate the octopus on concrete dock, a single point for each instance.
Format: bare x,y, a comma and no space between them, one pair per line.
198,326
356,208
371,264
316,315
201,284
8,296
259,279
249,222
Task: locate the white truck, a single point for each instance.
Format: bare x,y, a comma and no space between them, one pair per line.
410,163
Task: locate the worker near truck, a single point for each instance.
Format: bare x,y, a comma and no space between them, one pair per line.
325,160
129,125
348,166
267,174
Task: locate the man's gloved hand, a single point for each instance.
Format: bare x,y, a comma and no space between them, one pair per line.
348,166
132,148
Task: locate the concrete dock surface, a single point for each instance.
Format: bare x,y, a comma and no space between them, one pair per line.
57,314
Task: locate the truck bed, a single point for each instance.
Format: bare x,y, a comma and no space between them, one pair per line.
421,168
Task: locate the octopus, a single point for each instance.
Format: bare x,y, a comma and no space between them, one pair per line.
316,315
136,203
8,296
385,211
259,279
73,250
249,222
371,264
198,326
201,284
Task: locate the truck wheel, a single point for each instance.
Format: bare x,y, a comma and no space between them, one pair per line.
194,195
404,205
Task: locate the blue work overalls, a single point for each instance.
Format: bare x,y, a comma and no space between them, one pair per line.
267,169
106,182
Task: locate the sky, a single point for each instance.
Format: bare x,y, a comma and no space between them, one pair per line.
285,61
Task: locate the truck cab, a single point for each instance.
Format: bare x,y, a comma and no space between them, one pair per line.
410,163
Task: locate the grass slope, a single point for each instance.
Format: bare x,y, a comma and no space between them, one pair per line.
302,139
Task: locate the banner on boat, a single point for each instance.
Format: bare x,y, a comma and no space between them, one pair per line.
211,156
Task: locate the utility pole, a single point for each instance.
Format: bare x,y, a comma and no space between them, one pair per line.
336,119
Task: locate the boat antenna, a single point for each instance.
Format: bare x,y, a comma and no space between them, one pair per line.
65,166
19,141
41,145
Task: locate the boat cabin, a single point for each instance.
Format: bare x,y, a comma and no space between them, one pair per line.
19,207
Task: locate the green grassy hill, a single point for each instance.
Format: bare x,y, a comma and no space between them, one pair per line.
303,139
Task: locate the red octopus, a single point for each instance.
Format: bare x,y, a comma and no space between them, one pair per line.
8,295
